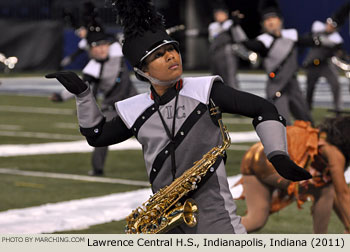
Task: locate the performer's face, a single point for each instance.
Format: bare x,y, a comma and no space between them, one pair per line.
220,16
81,32
330,28
164,64
273,25
99,52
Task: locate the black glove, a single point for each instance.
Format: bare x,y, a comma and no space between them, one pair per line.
288,169
70,81
237,17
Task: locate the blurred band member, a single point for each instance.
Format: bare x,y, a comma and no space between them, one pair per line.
107,75
318,61
222,34
278,46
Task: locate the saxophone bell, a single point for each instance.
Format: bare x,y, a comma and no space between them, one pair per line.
187,213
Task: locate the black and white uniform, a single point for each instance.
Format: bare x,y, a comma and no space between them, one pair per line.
194,135
318,63
280,63
223,61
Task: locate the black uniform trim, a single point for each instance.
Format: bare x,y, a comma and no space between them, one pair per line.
180,136
268,117
210,172
256,46
108,134
234,101
93,131
142,119
165,98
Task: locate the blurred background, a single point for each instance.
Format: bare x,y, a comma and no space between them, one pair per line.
41,32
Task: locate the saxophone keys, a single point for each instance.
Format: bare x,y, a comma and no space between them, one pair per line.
127,230
135,215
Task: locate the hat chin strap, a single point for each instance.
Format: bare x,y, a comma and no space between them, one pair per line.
154,80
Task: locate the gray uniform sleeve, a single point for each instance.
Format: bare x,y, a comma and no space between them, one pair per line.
89,114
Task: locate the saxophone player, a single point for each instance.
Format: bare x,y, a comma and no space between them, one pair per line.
172,121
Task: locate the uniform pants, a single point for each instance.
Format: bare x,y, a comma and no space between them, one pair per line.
225,64
330,73
98,158
292,102
99,154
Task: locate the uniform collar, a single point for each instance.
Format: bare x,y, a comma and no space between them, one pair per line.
169,94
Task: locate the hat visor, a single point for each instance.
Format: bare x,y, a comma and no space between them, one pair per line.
164,42
271,15
100,42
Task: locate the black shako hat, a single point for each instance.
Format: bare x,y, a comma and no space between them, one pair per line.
89,14
340,15
95,31
137,48
219,6
143,28
269,8
96,36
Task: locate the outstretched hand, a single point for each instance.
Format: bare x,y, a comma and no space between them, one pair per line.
70,81
288,169
237,16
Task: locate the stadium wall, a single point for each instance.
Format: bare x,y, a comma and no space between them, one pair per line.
37,45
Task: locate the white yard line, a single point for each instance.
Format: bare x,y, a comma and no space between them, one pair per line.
37,110
59,148
40,135
12,171
82,146
10,127
67,125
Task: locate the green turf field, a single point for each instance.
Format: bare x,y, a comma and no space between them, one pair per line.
28,120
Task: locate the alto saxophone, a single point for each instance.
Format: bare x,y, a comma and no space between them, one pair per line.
164,210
